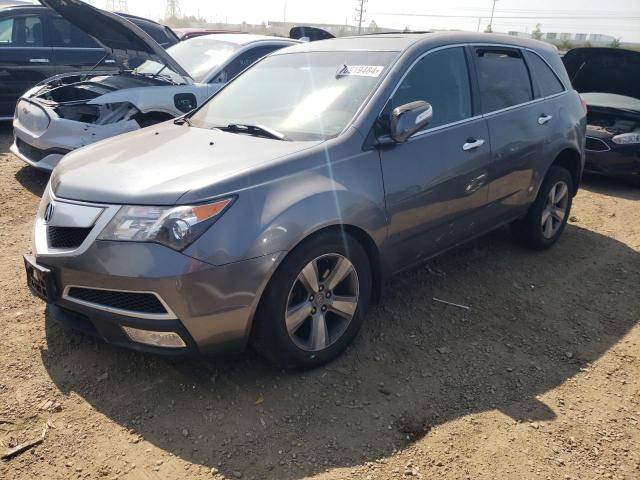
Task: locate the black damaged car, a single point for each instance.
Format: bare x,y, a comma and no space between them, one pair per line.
608,80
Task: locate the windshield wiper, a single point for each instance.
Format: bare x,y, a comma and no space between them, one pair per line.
257,130
182,121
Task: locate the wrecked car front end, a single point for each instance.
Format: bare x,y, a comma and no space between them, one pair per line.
67,113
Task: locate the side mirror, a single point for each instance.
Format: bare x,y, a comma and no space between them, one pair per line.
408,119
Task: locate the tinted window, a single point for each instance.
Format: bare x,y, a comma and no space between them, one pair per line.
246,59
545,81
503,79
21,32
440,78
155,32
67,35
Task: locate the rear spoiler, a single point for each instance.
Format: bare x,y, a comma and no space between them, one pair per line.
309,34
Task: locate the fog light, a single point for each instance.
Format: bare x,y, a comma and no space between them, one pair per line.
157,339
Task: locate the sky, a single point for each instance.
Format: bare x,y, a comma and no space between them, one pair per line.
619,18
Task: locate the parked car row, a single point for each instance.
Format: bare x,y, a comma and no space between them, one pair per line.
36,43
277,208
282,197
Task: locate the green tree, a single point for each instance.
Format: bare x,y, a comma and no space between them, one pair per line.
488,29
373,27
615,43
565,45
587,44
537,33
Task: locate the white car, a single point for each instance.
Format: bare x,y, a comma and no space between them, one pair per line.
72,110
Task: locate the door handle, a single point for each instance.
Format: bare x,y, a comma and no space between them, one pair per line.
38,60
472,143
544,118
109,61
476,183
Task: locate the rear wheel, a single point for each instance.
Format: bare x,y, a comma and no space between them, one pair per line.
547,217
314,304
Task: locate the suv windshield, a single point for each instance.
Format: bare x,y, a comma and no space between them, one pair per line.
305,96
198,56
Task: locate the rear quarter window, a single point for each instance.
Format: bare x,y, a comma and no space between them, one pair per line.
545,82
503,79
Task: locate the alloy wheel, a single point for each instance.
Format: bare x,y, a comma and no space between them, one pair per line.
322,302
555,209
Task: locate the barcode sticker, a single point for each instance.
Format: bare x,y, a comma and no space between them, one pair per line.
359,71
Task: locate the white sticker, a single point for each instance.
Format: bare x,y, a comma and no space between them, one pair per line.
359,71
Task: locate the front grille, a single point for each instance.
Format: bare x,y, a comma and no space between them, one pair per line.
130,301
67,237
35,154
596,145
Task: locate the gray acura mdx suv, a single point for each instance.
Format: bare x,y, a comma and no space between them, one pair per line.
278,209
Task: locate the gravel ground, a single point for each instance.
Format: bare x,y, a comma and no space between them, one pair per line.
540,378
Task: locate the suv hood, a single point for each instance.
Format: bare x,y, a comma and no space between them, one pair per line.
157,166
120,37
604,70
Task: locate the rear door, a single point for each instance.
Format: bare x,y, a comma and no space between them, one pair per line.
435,183
25,57
74,50
518,125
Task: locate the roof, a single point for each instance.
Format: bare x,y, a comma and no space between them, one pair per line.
245,38
397,42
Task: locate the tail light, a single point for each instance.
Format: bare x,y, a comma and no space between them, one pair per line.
583,103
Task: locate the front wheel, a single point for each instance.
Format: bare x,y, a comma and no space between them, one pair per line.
547,217
314,304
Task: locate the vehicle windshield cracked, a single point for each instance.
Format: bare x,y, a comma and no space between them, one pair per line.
303,96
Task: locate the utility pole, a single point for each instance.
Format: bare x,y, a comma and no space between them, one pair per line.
173,9
360,11
493,9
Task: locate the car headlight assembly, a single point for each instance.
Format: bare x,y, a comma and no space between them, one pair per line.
176,227
32,117
627,138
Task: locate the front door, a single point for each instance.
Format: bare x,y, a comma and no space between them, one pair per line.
435,183
25,58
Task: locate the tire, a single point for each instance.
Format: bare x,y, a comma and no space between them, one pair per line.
290,297
530,229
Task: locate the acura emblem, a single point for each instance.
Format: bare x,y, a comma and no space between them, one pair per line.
48,212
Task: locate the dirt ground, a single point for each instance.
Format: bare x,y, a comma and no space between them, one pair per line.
540,379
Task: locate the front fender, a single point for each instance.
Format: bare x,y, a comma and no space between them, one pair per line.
276,216
153,99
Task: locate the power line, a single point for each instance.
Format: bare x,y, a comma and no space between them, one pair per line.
510,17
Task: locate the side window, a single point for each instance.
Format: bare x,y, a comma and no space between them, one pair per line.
442,79
246,59
546,82
503,79
21,32
67,35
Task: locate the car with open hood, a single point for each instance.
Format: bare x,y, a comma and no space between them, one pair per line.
278,209
36,43
608,80
72,110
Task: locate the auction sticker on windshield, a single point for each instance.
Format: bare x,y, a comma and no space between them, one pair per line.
360,71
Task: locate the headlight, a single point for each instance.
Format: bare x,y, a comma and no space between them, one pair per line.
175,227
32,117
627,138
